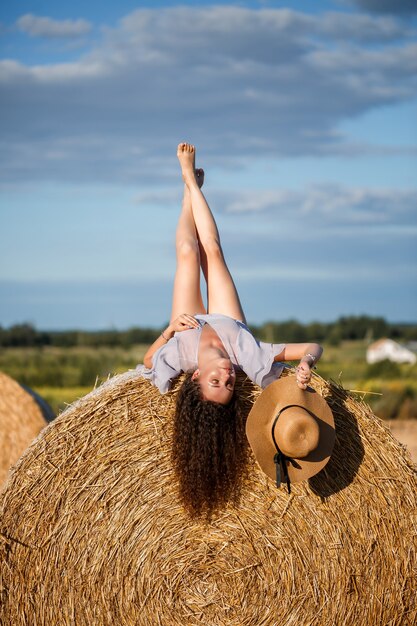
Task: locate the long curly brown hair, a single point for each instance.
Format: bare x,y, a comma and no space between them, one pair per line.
209,451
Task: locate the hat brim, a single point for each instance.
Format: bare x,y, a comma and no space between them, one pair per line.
270,402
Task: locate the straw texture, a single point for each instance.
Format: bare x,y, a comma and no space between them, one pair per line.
92,531
21,420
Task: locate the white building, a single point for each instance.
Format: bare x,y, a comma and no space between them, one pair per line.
391,350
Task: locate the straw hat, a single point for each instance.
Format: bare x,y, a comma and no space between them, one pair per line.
291,431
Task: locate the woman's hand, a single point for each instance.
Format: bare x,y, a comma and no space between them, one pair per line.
303,374
184,322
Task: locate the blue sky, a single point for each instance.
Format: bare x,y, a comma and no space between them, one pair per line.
305,119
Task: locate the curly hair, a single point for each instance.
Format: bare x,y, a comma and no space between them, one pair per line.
209,450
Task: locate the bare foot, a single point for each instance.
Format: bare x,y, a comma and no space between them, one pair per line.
199,177
186,157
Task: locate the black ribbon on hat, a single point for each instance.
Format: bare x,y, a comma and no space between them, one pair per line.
281,469
280,459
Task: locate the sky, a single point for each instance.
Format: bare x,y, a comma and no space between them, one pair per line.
304,115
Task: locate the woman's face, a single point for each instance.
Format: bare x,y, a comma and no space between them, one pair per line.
217,380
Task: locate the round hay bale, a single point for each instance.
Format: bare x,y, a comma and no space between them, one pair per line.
21,420
44,406
93,532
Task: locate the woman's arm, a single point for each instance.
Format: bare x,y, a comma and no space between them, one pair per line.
163,338
182,322
308,353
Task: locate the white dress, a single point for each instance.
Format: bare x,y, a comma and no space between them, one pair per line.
180,353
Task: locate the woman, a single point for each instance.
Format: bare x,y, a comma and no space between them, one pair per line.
209,444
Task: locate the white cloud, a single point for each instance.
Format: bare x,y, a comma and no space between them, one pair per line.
362,28
37,26
240,82
333,207
59,73
334,204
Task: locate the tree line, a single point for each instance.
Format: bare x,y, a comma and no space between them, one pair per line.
345,328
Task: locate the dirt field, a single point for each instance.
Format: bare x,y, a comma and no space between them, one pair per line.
406,432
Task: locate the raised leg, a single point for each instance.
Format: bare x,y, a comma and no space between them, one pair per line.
222,296
186,296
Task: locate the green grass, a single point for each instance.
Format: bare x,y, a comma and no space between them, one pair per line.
345,363
61,375
61,397
390,389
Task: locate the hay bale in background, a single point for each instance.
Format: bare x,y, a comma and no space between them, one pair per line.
93,532
44,406
406,432
21,420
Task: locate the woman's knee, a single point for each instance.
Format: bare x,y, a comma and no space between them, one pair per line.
213,249
188,251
